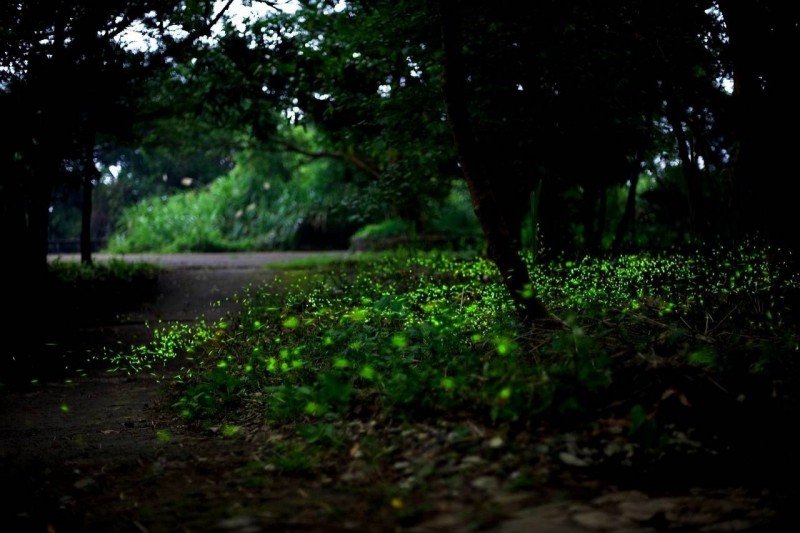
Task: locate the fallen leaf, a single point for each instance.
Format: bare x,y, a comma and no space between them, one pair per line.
355,451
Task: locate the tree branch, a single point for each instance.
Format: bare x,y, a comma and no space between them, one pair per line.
342,156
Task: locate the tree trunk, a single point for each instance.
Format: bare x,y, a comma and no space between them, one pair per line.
746,89
38,194
594,209
502,234
691,172
628,221
89,174
764,96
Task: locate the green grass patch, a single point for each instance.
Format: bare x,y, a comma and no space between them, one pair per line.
101,272
426,336
103,287
330,260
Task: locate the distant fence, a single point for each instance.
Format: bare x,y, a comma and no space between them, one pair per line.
64,246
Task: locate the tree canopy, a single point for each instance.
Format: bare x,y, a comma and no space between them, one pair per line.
621,123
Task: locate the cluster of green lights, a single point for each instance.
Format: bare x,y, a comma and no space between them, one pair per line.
421,335
675,282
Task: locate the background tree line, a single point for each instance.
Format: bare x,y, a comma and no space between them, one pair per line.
637,124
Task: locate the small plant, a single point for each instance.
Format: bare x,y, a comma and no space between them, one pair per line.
294,459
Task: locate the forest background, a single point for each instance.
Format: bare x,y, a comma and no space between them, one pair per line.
177,126
612,293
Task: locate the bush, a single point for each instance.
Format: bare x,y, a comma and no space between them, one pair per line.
450,224
266,202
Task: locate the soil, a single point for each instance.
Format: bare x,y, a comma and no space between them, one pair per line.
87,450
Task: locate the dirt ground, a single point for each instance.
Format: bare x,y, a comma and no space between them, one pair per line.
92,451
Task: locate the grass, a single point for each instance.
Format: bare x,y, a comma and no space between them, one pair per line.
420,337
76,295
408,373
99,289
113,271
350,259
328,261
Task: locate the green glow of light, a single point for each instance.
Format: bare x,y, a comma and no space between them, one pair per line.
505,393
230,430
399,341
291,322
340,362
448,383
222,364
64,408
358,315
367,372
163,435
313,408
527,292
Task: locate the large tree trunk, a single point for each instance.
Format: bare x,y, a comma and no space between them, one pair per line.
500,227
764,97
38,194
26,200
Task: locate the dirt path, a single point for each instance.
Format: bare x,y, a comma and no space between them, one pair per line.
192,286
76,452
102,453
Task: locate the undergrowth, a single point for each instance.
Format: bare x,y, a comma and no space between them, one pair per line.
75,274
77,291
427,336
